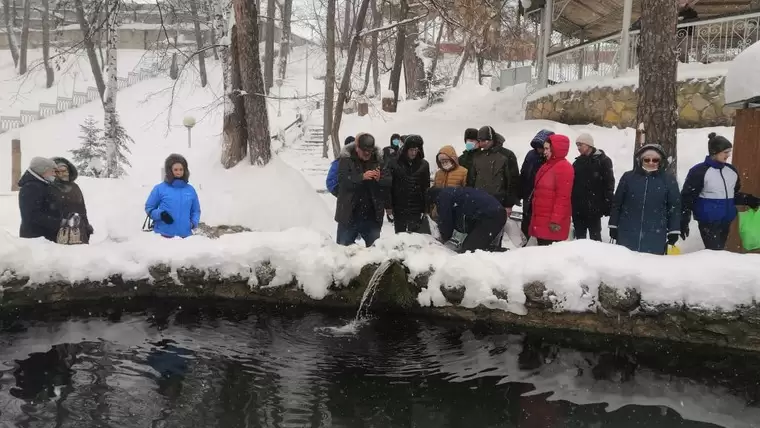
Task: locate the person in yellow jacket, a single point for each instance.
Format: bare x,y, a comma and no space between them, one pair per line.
450,173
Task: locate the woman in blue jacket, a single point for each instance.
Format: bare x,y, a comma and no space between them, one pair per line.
646,212
173,204
711,192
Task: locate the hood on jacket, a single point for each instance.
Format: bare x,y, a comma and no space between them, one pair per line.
412,141
560,146
538,141
657,148
450,153
349,151
171,160
73,173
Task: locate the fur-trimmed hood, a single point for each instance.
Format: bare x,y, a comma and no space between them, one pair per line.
73,173
349,151
171,160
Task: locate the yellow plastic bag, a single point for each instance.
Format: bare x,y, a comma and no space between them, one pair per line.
673,250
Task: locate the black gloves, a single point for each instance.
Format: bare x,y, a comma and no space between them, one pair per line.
166,217
754,202
684,231
613,233
90,230
672,238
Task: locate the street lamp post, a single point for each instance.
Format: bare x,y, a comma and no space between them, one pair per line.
189,122
278,82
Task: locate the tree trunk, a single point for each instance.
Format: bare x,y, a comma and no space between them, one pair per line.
657,108
286,13
414,68
24,37
398,61
50,74
345,82
377,19
347,25
462,63
366,78
434,63
199,42
247,50
234,133
269,47
89,47
12,42
210,19
110,121
329,76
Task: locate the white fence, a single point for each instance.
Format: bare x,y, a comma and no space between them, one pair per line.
78,99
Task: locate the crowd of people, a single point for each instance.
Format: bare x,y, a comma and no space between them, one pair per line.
471,196
52,205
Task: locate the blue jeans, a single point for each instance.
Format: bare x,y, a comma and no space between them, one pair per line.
369,230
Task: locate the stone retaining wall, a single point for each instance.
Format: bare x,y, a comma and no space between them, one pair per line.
700,104
613,313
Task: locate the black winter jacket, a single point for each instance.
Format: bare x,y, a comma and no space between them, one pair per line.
39,216
411,179
356,195
496,171
594,185
68,198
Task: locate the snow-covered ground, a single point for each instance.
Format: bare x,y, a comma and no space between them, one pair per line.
294,223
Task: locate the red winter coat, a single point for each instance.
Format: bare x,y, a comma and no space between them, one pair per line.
552,192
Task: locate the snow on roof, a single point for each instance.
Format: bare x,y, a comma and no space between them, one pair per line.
743,76
631,78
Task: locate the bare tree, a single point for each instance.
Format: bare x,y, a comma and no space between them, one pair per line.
414,68
199,42
252,82
347,24
269,47
50,74
398,61
657,105
329,76
209,8
24,37
345,82
110,121
286,13
89,47
377,20
9,30
235,133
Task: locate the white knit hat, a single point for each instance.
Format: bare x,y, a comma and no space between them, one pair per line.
40,165
586,139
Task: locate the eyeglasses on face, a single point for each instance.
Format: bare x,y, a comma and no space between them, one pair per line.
651,160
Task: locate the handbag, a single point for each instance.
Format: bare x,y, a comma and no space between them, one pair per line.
147,224
70,232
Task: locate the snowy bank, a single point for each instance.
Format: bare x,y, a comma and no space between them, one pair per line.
580,285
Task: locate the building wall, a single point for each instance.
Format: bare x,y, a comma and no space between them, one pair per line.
700,104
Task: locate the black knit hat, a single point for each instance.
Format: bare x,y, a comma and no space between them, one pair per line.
350,139
717,143
366,142
470,134
486,133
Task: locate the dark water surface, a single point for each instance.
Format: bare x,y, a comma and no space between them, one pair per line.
264,368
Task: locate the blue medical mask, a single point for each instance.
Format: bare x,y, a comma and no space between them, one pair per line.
469,146
396,142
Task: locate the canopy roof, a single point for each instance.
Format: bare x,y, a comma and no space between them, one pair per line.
597,18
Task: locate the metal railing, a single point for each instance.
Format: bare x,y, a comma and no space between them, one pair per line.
710,40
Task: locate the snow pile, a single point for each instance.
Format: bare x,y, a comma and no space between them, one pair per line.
743,76
571,270
631,78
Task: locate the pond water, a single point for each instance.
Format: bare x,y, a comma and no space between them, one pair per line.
265,367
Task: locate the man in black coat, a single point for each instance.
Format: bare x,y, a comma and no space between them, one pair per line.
495,170
593,189
39,217
411,179
362,184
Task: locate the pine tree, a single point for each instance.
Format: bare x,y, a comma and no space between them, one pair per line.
122,145
89,157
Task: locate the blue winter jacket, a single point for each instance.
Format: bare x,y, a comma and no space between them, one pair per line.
461,207
331,182
646,208
711,192
530,166
180,200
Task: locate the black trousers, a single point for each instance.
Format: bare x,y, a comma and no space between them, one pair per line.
525,222
411,225
714,235
544,242
483,232
588,226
